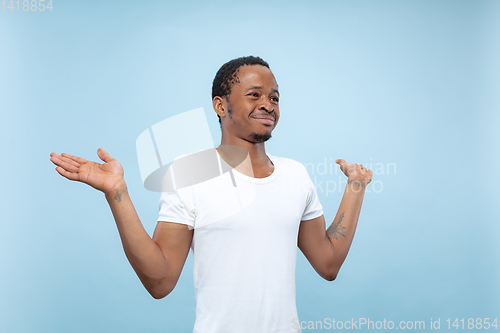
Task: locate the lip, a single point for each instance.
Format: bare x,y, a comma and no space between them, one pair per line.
266,120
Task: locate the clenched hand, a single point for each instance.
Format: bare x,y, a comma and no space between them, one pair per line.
355,172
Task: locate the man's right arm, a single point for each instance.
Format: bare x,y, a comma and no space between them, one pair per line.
157,261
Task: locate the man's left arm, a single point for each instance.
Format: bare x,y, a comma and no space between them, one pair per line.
327,250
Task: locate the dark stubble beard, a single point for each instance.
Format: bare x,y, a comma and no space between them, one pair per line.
254,137
259,138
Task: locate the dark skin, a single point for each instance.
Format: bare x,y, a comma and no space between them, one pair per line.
256,94
252,99
248,116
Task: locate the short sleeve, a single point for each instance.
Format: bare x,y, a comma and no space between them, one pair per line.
173,209
313,207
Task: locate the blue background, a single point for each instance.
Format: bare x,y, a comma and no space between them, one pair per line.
413,83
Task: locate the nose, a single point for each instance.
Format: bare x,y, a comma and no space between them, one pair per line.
266,106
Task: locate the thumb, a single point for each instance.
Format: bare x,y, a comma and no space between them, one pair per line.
103,155
339,161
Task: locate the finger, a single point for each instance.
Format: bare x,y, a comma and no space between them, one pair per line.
65,163
67,174
103,155
77,159
71,161
339,161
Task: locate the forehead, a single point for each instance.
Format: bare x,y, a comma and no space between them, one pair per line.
255,75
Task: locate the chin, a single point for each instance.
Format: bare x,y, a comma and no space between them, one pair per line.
259,137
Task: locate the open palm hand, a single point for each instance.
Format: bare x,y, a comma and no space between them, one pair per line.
103,177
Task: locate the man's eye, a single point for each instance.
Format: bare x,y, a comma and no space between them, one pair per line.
255,94
276,99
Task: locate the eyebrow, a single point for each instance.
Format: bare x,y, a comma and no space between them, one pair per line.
259,87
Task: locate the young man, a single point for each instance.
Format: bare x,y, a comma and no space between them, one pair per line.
244,263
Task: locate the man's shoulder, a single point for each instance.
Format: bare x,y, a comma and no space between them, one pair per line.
288,163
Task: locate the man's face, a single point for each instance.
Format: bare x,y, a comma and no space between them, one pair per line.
252,107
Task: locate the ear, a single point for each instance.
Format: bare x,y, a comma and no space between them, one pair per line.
219,105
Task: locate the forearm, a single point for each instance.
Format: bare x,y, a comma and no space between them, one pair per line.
341,231
143,253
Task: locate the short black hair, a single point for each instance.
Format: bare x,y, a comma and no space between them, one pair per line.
226,76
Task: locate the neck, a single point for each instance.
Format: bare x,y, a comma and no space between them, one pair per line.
257,151
260,163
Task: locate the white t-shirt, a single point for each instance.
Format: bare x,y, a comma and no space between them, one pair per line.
245,246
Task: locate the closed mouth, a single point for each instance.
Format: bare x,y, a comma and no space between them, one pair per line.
264,117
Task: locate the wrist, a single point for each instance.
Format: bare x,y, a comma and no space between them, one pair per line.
356,184
119,187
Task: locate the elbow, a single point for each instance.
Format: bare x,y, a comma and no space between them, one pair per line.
327,272
331,275
159,294
161,291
